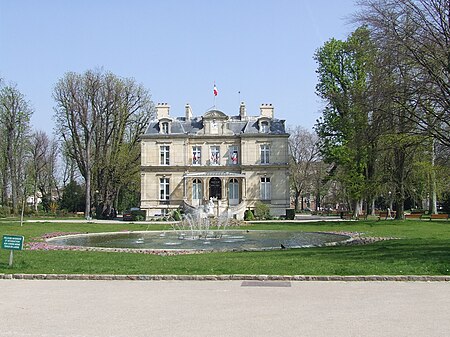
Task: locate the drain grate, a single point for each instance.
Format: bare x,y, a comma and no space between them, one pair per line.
265,284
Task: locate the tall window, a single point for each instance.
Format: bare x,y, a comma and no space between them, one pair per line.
165,127
196,155
234,155
215,155
214,128
265,188
197,189
265,127
164,189
233,192
164,155
265,153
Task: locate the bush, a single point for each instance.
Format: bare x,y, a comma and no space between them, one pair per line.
5,211
138,214
176,215
290,214
262,211
248,215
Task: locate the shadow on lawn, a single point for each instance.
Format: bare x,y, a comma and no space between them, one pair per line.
434,254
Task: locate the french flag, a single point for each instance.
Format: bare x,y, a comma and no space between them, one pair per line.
215,90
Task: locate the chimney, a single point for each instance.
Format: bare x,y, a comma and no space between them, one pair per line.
188,112
242,111
266,110
162,110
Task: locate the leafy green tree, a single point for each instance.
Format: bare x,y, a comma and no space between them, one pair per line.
73,197
343,70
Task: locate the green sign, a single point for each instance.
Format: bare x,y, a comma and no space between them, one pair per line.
12,242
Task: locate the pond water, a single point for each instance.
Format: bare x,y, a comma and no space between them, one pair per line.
227,240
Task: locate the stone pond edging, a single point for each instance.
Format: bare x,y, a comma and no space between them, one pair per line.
302,278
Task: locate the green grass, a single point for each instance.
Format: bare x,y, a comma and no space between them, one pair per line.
423,248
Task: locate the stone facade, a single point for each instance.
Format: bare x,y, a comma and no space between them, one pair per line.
223,163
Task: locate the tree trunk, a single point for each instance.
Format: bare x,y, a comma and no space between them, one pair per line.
372,206
433,197
87,210
296,200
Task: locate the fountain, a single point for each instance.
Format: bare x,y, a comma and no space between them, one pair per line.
200,230
197,225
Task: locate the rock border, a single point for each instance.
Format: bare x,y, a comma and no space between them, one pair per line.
44,243
301,278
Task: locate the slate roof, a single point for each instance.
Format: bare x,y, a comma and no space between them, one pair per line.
180,125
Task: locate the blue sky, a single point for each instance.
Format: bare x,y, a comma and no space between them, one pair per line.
176,49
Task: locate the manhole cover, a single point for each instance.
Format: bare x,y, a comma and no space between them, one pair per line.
265,284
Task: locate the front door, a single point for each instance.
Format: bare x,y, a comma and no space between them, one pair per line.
215,188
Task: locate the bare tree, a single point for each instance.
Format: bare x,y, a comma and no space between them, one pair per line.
43,166
38,148
418,31
15,114
100,117
304,153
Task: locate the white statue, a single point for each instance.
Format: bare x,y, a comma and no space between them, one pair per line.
210,207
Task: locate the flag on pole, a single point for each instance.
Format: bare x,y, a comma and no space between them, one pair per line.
215,90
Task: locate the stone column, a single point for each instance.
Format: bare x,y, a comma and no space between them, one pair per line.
224,188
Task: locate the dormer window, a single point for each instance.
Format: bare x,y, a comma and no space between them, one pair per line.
264,127
164,127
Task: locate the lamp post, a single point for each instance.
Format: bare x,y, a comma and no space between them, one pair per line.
390,204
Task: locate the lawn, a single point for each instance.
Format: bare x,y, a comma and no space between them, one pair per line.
422,248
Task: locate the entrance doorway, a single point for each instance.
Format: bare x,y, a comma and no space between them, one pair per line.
215,188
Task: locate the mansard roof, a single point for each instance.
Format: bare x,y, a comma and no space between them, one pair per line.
238,126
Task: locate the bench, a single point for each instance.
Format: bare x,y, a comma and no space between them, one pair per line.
347,216
413,216
385,215
438,216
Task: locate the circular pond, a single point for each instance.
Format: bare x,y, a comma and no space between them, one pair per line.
218,240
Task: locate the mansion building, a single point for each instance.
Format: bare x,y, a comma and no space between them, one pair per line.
225,163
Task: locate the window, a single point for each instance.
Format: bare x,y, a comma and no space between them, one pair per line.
215,155
164,189
164,155
214,128
165,127
234,156
197,189
265,153
233,192
265,127
196,155
265,188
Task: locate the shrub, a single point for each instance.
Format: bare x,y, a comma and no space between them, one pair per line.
248,215
262,211
138,214
176,215
290,214
5,211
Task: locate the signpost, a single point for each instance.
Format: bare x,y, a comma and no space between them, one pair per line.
12,242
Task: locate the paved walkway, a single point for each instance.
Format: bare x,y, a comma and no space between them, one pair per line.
298,218
223,308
